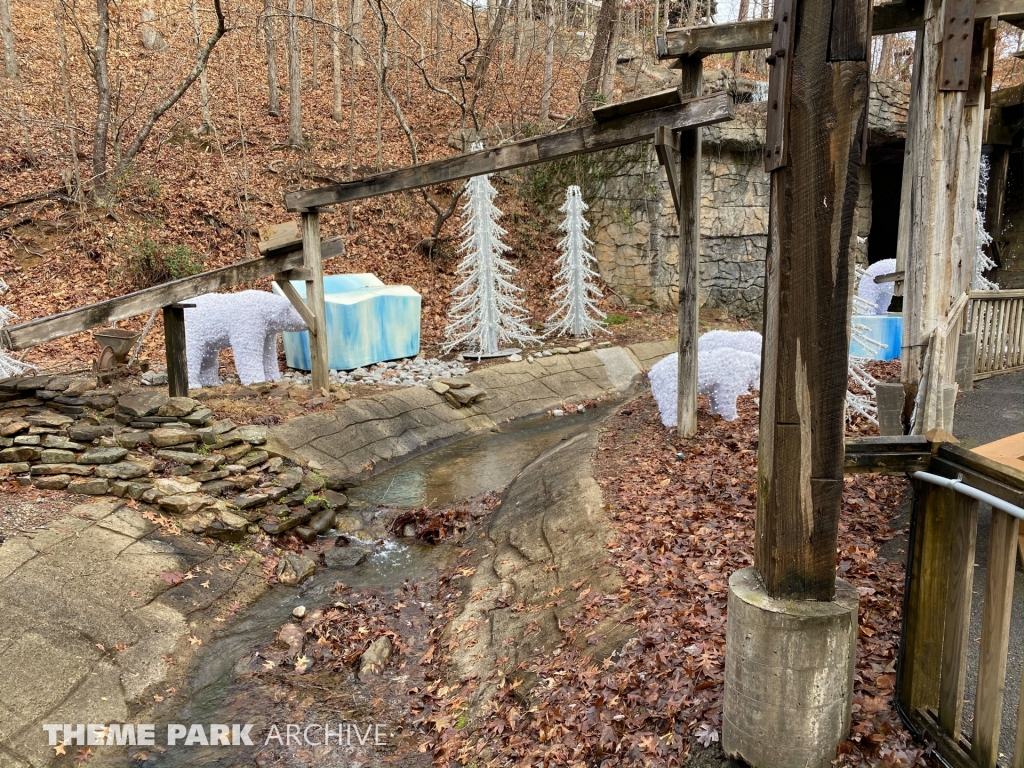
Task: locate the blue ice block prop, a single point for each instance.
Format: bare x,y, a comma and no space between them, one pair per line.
887,329
367,322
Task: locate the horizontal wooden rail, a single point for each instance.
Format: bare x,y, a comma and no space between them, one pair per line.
608,134
894,455
73,321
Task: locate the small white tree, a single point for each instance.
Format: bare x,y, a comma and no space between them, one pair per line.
484,312
577,315
982,239
8,365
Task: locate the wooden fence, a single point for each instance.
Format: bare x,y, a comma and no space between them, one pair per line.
997,317
937,607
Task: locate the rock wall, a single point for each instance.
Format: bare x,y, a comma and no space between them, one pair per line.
636,231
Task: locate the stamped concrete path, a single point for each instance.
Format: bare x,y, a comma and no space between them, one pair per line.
91,631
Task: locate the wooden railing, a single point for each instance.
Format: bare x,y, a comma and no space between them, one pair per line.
997,318
937,609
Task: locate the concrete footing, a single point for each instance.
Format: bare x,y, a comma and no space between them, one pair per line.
890,397
789,668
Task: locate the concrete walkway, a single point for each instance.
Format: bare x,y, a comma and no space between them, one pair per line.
994,409
91,632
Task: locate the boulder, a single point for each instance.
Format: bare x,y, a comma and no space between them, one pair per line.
291,637
344,557
375,658
294,568
322,521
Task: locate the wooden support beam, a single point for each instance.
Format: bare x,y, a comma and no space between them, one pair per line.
666,146
936,236
891,455
690,173
43,329
174,348
318,359
617,132
751,35
284,283
809,279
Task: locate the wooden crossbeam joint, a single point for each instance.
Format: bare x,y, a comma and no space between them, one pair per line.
283,281
892,277
783,31
666,146
957,41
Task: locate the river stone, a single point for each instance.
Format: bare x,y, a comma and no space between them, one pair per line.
21,453
305,533
168,486
177,406
347,524
253,434
15,468
165,437
251,460
137,490
322,521
14,428
290,479
133,439
180,457
440,387
294,568
186,504
344,557
374,658
58,441
91,487
227,526
142,403
61,469
312,482
466,395
299,612
102,456
251,500
336,500
52,483
126,470
291,637
455,383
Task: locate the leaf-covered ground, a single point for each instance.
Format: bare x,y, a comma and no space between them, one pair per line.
684,512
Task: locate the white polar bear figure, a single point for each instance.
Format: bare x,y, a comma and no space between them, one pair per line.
248,322
877,294
723,373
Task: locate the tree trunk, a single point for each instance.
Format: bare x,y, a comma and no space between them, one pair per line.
606,19
7,36
101,75
204,91
356,33
268,36
294,79
885,57
69,112
485,55
311,13
741,15
336,61
611,60
549,61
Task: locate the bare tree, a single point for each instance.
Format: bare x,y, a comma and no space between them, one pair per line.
604,35
204,91
69,111
268,37
547,79
294,79
885,57
103,176
741,15
7,36
336,61
310,11
487,53
355,32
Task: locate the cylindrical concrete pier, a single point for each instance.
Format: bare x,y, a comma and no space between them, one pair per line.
789,668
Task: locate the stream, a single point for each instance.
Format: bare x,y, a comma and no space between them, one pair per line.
216,692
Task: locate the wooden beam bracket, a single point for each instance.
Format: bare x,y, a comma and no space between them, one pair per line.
783,31
957,42
666,145
300,306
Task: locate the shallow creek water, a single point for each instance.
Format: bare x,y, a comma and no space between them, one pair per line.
452,473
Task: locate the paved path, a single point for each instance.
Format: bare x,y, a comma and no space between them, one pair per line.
91,632
993,410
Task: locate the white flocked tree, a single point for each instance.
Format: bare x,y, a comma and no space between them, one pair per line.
577,314
484,312
8,365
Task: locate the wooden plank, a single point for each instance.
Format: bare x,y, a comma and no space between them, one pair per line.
681,42
1009,96
888,444
300,305
995,639
666,145
783,32
33,332
629,129
659,100
957,37
924,616
975,461
959,589
174,348
318,358
887,463
277,235
850,35
690,175
892,277
975,479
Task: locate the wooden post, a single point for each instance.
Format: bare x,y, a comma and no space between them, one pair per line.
936,240
809,276
319,371
174,346
690,169
929,580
